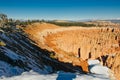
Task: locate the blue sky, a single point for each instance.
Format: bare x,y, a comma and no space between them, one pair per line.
61,9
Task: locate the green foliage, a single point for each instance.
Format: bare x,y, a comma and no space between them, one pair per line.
9,24
27,22
3,19
3,16
71,24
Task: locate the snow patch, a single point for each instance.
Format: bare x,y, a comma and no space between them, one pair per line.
96,68
93,62
57,76
31,76
98,72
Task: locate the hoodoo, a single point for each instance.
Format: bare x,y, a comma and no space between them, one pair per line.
76,44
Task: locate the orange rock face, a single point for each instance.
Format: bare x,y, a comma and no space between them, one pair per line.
113,62
76,44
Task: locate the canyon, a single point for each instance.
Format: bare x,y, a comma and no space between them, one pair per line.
77,45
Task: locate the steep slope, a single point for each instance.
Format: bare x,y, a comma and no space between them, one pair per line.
77,44
19,54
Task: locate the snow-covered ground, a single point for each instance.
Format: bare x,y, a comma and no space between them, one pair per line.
58,76
98,72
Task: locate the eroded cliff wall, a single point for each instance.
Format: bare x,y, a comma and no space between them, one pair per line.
76,44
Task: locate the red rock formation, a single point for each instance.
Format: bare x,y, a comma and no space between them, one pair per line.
94,42
113,62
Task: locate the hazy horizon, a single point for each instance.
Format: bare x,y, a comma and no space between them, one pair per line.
61,9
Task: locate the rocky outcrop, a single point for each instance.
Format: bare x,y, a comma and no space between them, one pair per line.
113,62
18,54
103,23
77,44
